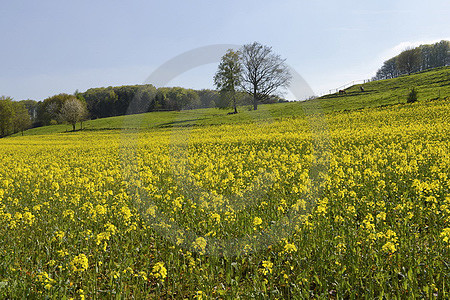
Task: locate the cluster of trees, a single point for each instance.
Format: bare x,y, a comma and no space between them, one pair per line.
59,109
253,71
14,116
132,99
416,59
99,103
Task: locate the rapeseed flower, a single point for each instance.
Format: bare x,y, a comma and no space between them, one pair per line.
80,263
159,271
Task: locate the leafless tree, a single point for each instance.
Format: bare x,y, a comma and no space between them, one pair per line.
72,111
263,72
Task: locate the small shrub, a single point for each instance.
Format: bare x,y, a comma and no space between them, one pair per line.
412,97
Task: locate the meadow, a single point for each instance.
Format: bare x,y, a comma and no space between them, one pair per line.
430,84
352,204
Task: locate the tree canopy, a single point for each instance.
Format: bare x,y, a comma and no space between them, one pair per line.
14,117
73,111
228,78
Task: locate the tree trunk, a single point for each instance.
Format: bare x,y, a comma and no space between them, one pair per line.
255,99
73,126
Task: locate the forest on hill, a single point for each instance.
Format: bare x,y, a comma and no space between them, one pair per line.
416,59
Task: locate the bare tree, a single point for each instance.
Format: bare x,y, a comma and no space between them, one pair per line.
72,111
263,72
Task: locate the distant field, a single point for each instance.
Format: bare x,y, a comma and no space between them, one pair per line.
430,85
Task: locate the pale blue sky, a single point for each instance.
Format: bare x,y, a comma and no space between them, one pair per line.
49,47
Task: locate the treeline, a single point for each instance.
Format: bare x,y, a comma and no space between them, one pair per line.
132,99
99,103
109,102
415,60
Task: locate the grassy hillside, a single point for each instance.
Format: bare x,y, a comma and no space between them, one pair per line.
430,84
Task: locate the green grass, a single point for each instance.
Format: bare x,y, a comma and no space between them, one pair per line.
431,84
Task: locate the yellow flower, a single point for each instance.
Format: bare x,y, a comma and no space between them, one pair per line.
199,295
80,263
338,219
69,213
445,234
215,217
110,228
59,235
289,248
51,263
142,274
341,247
381,216
43,276
200,244
100,209
126,213
102,236
28,218
267,266
159,271
62,253
81,292
257,221
391,235
389,247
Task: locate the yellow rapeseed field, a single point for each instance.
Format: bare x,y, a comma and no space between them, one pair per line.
350,204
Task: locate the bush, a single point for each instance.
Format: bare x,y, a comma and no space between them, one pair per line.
412,97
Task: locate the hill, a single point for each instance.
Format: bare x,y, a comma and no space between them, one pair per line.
430,84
